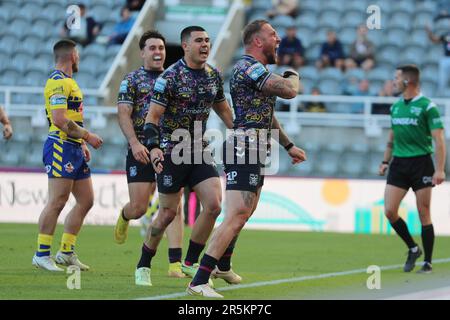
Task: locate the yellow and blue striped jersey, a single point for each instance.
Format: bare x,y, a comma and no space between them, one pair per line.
62,92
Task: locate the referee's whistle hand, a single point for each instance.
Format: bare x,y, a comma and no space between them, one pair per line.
438,177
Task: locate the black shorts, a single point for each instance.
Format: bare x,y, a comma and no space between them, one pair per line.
415,172
245,176
137,171
175,176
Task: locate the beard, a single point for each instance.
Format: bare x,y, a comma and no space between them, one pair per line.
75,67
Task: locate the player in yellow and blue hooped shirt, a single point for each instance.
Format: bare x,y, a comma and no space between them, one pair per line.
65,157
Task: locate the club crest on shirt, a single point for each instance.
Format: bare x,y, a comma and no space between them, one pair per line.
416,110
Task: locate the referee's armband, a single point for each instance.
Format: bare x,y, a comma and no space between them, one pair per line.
151,136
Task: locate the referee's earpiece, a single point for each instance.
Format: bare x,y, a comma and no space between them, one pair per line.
405,82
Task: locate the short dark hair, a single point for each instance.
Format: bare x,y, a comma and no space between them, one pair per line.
62,48
186,32
251,29
411,71
81,5
149,35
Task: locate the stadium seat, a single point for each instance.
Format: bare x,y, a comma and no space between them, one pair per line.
399,20
427,6
312,52
331,73
404,6
9,78
379,74
389,54
329,19
282,22
355,73
330,86
353,164
353,18
8,44
262,4
308,20
419,37
347,36
428,88
412,55
18,28
421,19
328,164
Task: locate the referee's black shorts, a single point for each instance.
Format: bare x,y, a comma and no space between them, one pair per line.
414,172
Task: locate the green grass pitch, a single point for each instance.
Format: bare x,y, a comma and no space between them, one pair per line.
259,256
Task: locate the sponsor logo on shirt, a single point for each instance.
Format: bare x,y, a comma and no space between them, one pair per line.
160,85
255,71
231,177
57,99
123,86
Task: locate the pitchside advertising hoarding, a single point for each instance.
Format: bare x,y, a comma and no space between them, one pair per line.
286,203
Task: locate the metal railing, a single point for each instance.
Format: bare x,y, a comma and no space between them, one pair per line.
293,120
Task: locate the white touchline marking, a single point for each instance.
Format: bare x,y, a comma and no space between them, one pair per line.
289,280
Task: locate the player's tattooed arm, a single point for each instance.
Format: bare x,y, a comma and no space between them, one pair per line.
73,130
286,88
223,110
